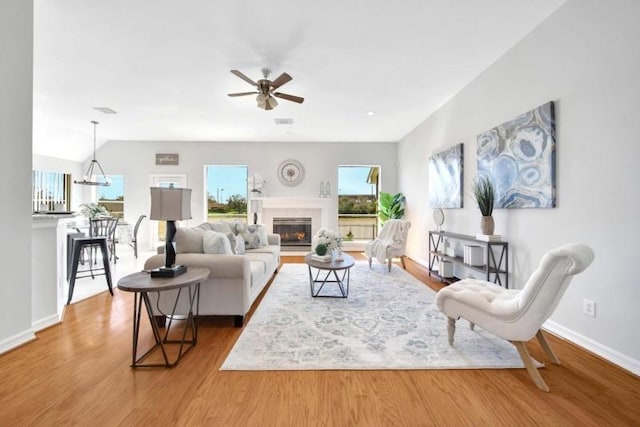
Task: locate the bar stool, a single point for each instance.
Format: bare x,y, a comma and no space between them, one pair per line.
79,244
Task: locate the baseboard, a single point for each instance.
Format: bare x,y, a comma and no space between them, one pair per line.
16,340
613,356
45,322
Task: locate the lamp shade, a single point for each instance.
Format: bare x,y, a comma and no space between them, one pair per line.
170,204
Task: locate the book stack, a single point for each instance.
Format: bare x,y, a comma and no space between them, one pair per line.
473,255
489,237
321,258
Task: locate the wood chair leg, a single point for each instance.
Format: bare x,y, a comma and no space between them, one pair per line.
531,368
547,348
451,329
390,260
402,261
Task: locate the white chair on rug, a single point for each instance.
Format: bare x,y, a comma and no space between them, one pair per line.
517,315
390,243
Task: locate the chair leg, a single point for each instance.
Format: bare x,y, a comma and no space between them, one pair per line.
528,363
547,348
402,261
390,259
369,262
472,325
451,329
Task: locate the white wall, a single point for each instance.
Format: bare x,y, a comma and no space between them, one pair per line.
136,161
16,89
586,58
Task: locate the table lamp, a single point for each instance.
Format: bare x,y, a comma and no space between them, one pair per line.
256,206
171,205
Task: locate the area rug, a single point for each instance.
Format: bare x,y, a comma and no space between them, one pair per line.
389,321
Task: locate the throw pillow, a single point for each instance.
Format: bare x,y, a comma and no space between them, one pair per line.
252,236
233,241
189,240
263,235
216,243
240,249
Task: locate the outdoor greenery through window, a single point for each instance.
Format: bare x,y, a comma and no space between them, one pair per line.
226,192
358,202
50,191
112,197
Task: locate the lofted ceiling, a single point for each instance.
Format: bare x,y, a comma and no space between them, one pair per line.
164,65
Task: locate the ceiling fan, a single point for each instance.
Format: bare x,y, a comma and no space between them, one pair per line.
265,89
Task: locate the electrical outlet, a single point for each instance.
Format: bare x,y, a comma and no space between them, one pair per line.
589,307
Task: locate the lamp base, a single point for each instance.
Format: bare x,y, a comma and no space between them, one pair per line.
174,271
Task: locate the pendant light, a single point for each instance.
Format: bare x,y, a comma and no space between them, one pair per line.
91,178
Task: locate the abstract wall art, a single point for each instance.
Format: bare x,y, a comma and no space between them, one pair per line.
519,158
445,178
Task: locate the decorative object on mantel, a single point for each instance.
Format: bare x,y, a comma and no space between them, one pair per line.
519,158
327,190
321,189
390,206
484,192
446,178
94,210
257,184
167,159
90,178
291,172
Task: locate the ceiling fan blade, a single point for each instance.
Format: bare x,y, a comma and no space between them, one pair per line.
243,77
284,78
242,93
293,98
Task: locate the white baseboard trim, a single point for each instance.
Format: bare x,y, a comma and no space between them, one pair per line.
45,322
16,340
630,364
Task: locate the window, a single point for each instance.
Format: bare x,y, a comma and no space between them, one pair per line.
112,197
226,192
358,202
50,191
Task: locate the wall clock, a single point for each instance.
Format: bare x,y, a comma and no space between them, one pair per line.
291,172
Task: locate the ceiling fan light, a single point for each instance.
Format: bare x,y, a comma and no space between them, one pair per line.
271,101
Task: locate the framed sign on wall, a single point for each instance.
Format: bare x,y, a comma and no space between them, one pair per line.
167,159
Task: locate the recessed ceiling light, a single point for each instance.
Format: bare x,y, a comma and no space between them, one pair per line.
283,121
371,113
105,110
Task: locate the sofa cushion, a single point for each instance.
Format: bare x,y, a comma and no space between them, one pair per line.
189,240
216,243
221,227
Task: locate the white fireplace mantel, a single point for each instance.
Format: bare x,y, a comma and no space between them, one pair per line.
323,211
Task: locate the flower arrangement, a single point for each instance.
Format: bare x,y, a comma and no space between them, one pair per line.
94,210
257,183
326,240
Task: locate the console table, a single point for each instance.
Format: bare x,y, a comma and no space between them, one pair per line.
142,284
496,257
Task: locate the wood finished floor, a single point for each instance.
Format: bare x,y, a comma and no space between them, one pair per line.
78,373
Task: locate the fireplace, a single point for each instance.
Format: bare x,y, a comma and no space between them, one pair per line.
295,233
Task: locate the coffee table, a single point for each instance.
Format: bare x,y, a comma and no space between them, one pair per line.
338,270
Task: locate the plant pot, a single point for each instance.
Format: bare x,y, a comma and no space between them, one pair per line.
487,225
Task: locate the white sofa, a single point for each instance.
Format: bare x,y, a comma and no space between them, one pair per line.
234,282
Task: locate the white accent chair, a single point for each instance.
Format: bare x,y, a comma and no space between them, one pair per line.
390,243
517,315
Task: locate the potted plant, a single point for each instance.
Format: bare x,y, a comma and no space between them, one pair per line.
390,206
484,192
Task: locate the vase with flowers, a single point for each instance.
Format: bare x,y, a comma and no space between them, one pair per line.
327,241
